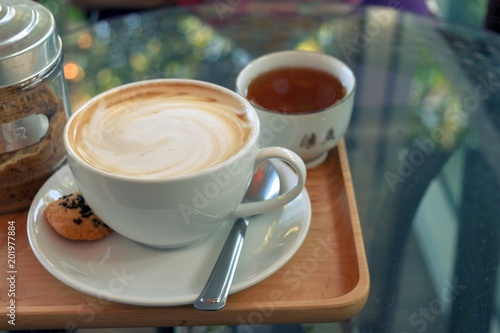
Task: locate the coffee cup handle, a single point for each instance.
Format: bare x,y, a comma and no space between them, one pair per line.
259,207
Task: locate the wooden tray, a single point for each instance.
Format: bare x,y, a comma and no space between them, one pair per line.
327,280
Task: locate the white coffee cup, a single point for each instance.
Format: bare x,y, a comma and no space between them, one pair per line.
312,134
120,143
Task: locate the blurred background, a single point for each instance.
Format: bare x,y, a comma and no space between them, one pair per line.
468,12
72,21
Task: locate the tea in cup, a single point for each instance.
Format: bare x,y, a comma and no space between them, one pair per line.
304,101
165,162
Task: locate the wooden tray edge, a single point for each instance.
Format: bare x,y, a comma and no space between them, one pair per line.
359,294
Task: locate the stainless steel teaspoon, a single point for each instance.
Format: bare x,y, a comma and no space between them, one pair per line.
265,184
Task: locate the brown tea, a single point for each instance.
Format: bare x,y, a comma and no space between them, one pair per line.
295,90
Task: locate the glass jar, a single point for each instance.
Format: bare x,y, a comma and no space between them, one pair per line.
33,101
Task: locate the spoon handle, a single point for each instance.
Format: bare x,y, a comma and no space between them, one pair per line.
214,294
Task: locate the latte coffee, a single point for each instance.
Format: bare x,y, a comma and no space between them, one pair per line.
160,130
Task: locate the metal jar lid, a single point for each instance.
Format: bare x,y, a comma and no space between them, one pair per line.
29,44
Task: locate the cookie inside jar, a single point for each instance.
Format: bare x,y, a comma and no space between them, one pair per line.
32,122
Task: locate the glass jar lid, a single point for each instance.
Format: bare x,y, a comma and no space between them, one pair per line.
29,43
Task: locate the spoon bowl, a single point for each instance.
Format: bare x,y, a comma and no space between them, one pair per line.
264,185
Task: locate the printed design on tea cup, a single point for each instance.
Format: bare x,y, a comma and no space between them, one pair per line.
309,140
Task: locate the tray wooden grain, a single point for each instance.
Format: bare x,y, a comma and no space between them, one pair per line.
327,280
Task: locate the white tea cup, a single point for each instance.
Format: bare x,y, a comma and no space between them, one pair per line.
310,134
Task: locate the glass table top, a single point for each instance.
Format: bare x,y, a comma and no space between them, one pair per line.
423,143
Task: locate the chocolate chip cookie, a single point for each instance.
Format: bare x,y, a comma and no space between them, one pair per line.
72,218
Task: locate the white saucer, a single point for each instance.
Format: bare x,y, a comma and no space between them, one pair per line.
117,269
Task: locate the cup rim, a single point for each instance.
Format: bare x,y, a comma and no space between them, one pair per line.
248,145
240,89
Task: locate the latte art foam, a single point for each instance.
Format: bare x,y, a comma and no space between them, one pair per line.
162,134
